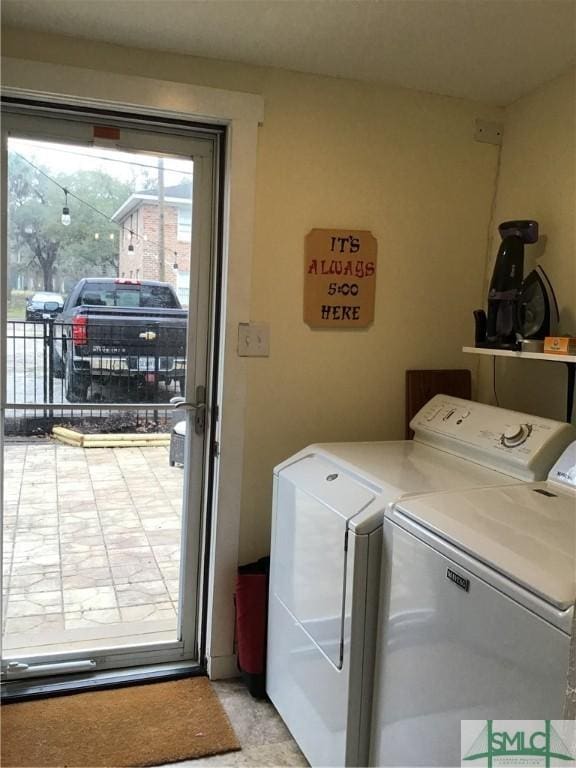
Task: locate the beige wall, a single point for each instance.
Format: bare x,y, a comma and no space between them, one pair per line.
537,180
403,165
337,153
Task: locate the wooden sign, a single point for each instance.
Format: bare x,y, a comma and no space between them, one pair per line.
339,278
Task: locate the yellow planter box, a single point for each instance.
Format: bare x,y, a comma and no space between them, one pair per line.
110,440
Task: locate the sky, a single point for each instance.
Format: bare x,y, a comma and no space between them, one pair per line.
126,166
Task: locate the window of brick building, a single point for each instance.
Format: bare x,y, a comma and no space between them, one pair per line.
185,224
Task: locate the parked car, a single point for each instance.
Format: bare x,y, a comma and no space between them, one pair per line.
114,331
36,308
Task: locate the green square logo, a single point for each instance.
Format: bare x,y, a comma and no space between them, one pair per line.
518,743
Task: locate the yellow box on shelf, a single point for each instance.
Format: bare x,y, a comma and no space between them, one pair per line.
560,345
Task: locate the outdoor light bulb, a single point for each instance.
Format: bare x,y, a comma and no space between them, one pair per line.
66,216
111,235
145,237
96,235
131,248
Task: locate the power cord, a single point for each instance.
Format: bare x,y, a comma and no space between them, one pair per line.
494,380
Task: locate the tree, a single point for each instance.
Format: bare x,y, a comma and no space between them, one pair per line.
94,250
37,237
28,197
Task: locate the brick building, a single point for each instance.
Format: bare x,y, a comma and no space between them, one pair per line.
139,257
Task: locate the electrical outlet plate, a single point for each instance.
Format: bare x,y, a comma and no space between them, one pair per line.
488,132
253,340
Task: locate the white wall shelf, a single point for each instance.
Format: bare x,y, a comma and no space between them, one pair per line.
552,358
569,360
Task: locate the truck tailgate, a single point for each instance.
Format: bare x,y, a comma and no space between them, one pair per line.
135,331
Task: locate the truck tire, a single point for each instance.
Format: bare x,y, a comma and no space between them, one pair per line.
75,385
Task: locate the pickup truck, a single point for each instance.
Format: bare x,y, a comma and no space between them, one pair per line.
114,331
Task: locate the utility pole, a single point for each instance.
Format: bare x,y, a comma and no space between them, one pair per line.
161,259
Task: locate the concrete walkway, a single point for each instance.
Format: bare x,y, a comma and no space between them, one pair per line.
91,546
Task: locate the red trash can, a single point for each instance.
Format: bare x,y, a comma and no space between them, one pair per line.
251,624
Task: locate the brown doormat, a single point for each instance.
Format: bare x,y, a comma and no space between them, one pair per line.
134,726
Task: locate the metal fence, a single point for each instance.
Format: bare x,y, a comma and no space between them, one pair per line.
69,374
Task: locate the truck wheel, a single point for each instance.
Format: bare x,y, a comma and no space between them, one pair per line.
76,386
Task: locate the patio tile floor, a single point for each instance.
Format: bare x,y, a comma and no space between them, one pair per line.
91,540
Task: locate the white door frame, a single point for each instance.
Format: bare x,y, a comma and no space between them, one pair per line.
241,113
69,130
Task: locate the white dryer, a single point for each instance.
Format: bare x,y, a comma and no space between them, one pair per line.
328,508
476,615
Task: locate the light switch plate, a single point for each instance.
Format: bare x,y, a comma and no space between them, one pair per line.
253,340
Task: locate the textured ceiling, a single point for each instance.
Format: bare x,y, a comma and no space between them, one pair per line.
490,50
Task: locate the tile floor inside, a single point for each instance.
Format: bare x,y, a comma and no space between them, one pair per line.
264,738
91,545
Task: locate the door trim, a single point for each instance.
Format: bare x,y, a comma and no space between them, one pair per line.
242,113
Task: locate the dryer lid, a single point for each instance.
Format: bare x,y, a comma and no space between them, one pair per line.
314,502
526,532
330,484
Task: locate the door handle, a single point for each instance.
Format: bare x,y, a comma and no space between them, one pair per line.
199,408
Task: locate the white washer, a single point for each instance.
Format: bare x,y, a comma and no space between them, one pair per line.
476,616
328,510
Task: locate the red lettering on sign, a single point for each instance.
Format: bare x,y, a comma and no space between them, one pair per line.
337,267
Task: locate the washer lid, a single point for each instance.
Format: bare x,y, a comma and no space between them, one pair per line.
399,467
526,532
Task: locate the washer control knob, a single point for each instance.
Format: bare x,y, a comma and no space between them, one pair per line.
515,435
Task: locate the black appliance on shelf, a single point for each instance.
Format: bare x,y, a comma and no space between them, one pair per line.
518,308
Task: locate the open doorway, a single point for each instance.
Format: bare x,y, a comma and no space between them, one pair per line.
107,334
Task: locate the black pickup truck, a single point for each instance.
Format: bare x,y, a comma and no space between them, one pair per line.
117,331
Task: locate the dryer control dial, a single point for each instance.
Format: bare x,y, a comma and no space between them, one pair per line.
515,435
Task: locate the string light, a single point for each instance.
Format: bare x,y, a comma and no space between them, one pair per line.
65,218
